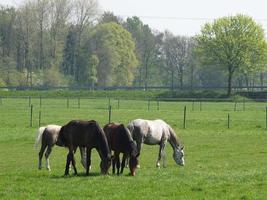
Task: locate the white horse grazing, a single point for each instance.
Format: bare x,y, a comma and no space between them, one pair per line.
48,137
153,132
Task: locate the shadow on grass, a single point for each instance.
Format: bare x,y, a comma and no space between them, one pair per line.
82,174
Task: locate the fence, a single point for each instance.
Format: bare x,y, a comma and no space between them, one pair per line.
188,112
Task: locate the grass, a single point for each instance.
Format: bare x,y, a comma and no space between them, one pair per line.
221,163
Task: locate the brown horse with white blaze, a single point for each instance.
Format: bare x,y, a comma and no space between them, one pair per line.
120,141
79,133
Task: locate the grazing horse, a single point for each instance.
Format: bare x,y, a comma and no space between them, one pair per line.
120,141
89,134
153,132
47,136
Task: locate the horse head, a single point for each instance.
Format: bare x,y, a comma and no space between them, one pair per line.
105,164
178,155
133,162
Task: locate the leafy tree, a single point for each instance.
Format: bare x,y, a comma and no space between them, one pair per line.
235,42
110,17
146,42
114,47
69,53
93,63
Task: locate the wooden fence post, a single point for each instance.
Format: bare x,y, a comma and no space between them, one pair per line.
109,114
184,117
228,121
31,113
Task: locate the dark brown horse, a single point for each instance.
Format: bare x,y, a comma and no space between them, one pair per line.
120,141
89,134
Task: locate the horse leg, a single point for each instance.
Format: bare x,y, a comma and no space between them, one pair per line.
43,147
83,151
47,153
123,162
113,160
139,146
88,160
73,161
68,162
161,154
117,155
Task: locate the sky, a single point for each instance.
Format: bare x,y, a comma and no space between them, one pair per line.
181,17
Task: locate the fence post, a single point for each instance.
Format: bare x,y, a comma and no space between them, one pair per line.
148,104
118,104
184,117
228,121
31,113
109,113
108,102
40,114
78,102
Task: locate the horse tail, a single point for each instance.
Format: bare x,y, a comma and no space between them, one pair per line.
39,135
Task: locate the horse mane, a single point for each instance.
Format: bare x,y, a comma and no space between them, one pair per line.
103,136
173,137
133,147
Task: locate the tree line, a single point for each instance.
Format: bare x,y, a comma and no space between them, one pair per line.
68,43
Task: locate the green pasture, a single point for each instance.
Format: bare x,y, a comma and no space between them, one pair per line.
221,162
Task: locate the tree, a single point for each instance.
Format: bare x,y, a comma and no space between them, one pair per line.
93,63
114,47
235,42
145,43
69,57
107,17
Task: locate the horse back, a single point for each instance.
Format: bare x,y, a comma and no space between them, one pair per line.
80,133
118,137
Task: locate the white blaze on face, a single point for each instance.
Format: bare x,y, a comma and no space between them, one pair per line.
178,156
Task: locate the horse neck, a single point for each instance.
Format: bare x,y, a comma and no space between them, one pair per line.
173,140
102,146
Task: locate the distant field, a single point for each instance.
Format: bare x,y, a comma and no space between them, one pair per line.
221,163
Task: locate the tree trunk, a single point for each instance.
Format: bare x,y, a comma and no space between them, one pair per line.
192,77
261,80
230,76
172,86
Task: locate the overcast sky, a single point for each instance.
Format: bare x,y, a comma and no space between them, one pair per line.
180,17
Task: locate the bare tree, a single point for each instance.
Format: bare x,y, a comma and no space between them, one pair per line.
178,50
84,13
59,14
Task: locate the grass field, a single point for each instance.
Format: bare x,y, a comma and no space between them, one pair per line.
221,163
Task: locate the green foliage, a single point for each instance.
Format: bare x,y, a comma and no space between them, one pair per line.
114,48
235,42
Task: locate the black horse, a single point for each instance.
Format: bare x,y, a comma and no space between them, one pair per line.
89,134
